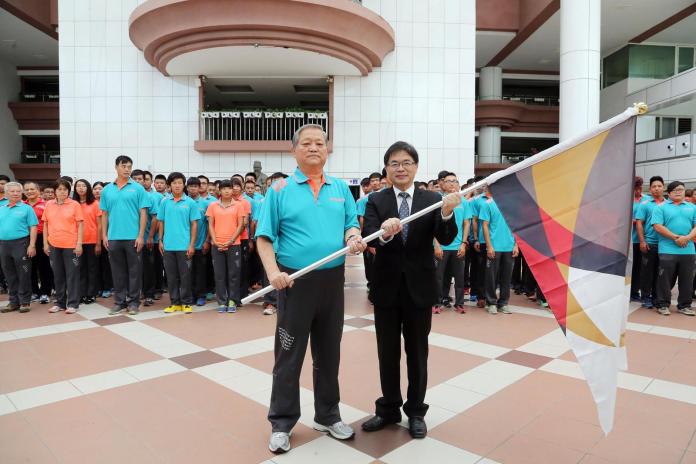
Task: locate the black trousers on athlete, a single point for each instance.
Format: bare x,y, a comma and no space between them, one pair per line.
312,307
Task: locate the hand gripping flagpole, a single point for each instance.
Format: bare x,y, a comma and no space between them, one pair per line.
637,108
346,250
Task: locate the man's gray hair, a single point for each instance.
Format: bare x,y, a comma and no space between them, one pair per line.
13,184
298,132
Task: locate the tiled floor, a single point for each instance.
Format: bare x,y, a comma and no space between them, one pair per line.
158,388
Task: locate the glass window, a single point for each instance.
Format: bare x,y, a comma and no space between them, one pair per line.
686,59
615,67
651,61
669,127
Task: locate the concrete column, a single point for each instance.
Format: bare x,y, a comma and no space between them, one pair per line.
491,83
490,88
489,144
580,58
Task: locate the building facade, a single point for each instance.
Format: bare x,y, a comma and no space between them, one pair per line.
210,86
417,84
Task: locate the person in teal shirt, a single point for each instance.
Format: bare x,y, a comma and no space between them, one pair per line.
310,215
158,265
18,229
675,221
479,252
368,185
124,205
177,219
149,252
3,201
500,251
638,198
451,261
199,277
647,241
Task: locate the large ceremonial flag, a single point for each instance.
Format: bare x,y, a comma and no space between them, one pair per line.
569,208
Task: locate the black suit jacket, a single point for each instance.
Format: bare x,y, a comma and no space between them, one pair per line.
415,259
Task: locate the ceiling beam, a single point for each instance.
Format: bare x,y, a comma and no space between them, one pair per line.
661,26
29,16
526,32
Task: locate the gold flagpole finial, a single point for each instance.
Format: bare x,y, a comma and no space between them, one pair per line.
641,107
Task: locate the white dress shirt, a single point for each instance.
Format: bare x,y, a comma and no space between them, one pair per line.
409,201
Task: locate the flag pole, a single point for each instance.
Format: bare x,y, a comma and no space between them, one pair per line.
636,109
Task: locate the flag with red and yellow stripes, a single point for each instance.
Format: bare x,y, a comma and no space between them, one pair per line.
570,211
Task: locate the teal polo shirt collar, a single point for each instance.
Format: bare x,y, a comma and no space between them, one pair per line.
129,181
301,178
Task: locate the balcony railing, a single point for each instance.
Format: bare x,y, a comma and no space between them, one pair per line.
532,100
41,157
258,125
39,97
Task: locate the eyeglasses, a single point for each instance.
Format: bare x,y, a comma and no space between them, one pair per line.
451,181
405,164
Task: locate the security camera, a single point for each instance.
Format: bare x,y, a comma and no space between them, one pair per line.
685,144
670,147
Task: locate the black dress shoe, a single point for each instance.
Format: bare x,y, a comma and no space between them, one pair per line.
378,423
417,427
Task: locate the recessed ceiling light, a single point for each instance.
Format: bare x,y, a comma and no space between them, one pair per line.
544,60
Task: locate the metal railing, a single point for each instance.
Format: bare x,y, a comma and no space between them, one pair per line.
39,97
530,100
513,158
36,157
258,125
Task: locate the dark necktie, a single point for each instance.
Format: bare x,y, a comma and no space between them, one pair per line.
404,211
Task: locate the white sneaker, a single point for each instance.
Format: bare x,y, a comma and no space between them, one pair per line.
279,442
492,309
664,311
268,310
686,311
340,430
504,310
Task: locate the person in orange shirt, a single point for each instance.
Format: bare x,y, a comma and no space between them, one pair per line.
225,225
41,275
62,241
91,247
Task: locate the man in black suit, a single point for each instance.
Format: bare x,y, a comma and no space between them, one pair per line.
404,284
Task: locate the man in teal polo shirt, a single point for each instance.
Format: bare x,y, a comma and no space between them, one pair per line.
451,264
254,272
675,221
638,198
124,205
648,238
152,243
177,220
479,252
3,201
368,185
199,271
310,215
148,254
500,250
18,224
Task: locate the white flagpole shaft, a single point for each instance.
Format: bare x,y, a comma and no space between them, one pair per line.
548,153
345,250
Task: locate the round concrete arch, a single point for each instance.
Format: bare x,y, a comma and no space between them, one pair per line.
165,29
